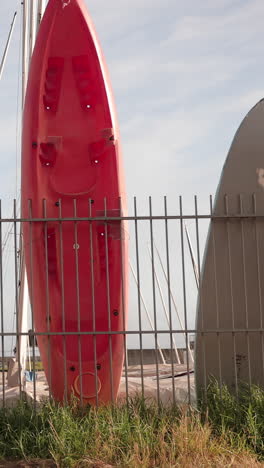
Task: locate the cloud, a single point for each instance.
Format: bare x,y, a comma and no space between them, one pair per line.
239,23
173,81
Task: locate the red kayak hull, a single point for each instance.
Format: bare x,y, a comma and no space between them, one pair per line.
72,168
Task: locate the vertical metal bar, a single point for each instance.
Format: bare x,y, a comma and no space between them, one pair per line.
32,299
123,286
259,279
147,312
139,299
93,301
197,238
16,301
169,296
203,336
231,292
2,309
216,299
185,303
173,299
48,318
154,298
76,248
164,308
63,304
245,286
110,341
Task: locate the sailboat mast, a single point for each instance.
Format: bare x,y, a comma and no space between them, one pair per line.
31,28
7,45
29,33
14,377
24,50
39,14
28,43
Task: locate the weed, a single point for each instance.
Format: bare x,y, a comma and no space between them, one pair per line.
138,433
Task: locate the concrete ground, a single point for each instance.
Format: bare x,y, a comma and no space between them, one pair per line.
131,381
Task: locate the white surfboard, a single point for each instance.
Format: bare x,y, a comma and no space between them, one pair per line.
230,311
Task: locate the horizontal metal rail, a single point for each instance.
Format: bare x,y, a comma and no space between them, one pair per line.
165,290
136,332
136,218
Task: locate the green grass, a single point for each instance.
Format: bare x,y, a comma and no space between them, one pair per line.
226,432
242,415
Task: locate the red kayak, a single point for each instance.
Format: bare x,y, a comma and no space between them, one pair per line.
72,168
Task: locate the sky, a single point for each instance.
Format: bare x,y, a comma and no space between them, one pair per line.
184,75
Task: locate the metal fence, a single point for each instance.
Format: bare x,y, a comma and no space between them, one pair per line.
166,246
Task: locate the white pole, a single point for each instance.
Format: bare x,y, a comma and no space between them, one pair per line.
146,310
23,299
7,45
32,30
39,14
194,264
23,304
29,38
29,357
24,51
173,301
164,307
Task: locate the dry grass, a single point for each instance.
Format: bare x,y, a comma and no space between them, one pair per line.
137,435
198,447
190,445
